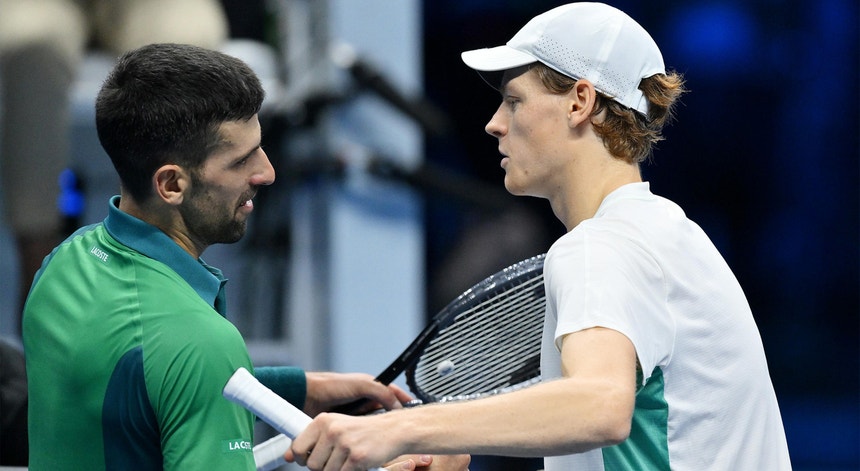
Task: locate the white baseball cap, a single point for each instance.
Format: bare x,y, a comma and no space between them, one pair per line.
593,41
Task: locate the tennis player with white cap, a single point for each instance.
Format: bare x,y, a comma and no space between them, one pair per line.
651,357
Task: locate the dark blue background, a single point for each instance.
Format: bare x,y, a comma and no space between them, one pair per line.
764,156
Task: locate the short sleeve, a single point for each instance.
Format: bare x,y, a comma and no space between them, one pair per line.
187,366
595,278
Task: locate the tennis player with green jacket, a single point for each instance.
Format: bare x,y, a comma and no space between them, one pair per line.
126,340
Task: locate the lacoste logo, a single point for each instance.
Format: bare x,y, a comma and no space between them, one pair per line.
99,254
237,444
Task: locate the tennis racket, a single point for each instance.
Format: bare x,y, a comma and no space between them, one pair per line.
244,389
485,342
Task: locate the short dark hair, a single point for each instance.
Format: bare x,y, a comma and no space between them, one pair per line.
628,134
164,103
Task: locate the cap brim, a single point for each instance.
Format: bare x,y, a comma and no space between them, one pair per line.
496,58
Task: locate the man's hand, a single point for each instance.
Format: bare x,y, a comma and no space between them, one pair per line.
347,443
422,462
329,390
430,463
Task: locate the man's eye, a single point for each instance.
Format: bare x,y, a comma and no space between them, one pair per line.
248,157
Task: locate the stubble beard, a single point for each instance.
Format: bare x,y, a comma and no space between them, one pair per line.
207,220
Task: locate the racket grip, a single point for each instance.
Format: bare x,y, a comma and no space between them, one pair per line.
269,455
244,389
351,408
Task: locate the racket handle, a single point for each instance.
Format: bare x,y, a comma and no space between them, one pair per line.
244,389
269,455
355,407
351,408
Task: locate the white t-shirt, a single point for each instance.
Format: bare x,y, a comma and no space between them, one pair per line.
706,401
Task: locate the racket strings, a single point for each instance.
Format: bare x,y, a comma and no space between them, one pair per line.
485,365
501,343
491,346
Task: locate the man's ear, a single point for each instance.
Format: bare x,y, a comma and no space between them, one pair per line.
171,183
583,99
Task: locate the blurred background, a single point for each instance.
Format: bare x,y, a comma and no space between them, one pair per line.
389,200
